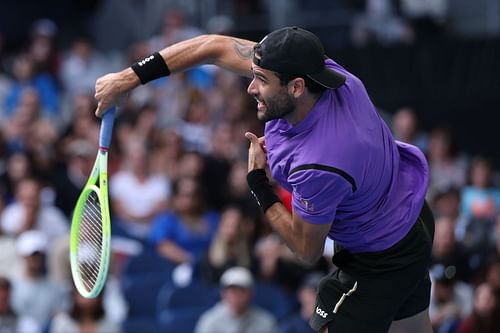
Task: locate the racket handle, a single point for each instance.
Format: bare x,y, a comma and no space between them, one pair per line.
106,128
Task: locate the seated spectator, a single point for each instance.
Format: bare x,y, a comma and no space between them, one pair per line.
183,234
85,315
234,313
230,246
81,65
299,321
447,252
451,300
447,203
33,294
485,317
28,212
9,320
137,195
26,77
480,199
447,167
405,128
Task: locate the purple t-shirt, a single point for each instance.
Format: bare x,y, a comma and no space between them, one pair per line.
342,165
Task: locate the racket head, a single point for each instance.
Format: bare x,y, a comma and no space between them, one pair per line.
90,241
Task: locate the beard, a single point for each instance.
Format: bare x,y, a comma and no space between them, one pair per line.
277,107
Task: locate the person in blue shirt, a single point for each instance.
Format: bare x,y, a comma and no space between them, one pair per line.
183,234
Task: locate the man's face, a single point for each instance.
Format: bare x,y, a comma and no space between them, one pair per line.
273,99
237,299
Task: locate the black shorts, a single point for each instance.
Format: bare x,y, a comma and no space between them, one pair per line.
368,291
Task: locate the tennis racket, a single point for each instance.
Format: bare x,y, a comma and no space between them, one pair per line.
90,226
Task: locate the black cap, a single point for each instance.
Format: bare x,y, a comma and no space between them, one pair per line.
296,51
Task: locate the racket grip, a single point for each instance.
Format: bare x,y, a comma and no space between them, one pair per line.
106,128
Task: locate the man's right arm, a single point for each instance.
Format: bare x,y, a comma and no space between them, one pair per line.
231,53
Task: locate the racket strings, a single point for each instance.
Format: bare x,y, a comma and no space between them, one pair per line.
90,241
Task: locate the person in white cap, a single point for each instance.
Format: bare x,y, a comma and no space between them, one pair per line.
33,294
235,313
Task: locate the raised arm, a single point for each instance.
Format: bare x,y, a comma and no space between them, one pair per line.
231,53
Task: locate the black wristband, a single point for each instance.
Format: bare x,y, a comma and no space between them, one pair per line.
151,68
261,189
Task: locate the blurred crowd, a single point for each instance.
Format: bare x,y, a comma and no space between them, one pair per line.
181,211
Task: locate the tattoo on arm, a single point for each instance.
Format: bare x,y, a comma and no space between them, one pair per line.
244,51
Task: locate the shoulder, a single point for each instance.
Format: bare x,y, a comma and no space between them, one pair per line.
262,316
212,318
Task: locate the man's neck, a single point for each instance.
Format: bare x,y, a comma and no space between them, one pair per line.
304,105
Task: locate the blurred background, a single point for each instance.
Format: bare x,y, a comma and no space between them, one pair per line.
181,210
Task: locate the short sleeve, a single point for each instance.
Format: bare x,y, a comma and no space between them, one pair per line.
163,228
317,194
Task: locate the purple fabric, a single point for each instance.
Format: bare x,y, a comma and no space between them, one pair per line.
353,173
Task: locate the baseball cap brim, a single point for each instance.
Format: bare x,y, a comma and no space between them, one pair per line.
328,78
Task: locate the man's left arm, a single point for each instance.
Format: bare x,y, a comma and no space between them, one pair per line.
305,239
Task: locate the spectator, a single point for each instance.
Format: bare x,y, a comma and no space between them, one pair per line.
485,317
137,195
447,203
34,295
10,322
81,66
234,313
85,315
183,234
405,128
28,212
447,167
18,166
481,199
43,47
26,77
79,157
230,246
447,253
451,300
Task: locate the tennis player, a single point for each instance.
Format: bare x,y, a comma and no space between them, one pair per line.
350,180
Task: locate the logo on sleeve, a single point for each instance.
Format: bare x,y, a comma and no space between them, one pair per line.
306,204
309,207
320,312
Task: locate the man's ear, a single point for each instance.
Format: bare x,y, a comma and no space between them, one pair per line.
296,87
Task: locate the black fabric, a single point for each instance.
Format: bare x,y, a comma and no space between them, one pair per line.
295,51
151,68
338,171
261,189
390,285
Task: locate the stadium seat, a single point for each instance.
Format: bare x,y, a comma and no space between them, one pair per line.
141,293
148,261
272,298
180,307
142,325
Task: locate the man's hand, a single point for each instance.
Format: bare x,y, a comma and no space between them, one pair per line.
257,155
111,89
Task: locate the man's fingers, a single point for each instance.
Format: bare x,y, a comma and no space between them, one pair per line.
99,111
252,137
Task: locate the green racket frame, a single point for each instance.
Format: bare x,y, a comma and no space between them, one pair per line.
99,171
